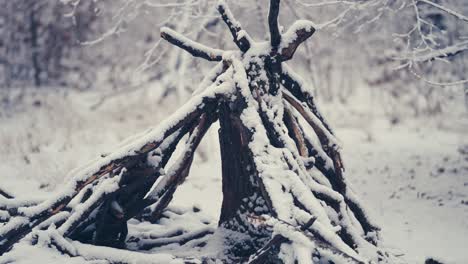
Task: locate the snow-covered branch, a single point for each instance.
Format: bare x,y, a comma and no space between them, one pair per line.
299,32
194,48
163,192
240,36
450,51
447,10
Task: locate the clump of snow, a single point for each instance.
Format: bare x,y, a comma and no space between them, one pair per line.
291,34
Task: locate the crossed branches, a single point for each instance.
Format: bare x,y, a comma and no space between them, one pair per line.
124,185
297,97
297,34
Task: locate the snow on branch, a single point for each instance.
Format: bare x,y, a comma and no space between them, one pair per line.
426,49
82,211
280,170
261,255
299,32
240,36
449,51
164,190
175,238
445,9
194,48
297,87
304,242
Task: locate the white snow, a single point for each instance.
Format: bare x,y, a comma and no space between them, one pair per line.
412,177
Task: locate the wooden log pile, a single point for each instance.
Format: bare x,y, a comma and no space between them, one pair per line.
283,178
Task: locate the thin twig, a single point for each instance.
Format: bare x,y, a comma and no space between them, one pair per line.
194,48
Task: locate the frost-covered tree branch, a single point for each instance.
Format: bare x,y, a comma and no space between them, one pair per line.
240,36
192,47
299,32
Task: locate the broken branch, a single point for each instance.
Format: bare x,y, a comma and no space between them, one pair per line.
240,37
275,35
299,32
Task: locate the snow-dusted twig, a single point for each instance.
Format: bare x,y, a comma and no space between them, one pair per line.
449,51
82,211
326,3
192,47
240,36
337,179
147,244
445,9
419,76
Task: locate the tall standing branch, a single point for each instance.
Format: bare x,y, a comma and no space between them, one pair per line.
275,35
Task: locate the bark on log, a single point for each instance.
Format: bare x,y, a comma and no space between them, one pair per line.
241,187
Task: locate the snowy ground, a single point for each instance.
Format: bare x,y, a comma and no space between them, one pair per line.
416,184
413,177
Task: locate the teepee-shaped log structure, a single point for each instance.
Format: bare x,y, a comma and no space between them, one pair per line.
282,175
